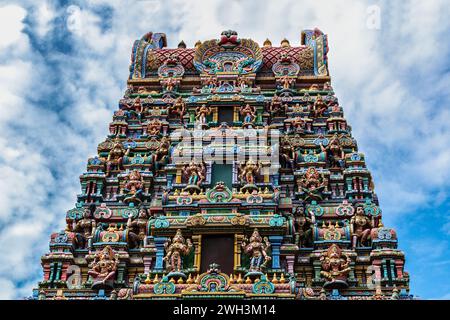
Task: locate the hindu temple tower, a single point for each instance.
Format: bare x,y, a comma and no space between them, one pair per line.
229,171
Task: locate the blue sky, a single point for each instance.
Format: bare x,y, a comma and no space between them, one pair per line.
64,65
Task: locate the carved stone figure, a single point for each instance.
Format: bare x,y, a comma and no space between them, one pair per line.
312,184
287,82
287,151
138,225
335,267
201,113
303,228
103,268
249,172
178,108
161,153
275,105
360,227
175,250
134,186
115,158
85,226
154,127
334,152
249,114
319,107
194,174
257,249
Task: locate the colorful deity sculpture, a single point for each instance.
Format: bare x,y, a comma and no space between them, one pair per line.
175,250
360,227
178,108
275,105
319,107
103,268
133,187
287,151
335,267
287,82
249,114
154,127
312,184
201,113
303,227
249,172
115,158
335,154
194,175
257,249
85,226
138,225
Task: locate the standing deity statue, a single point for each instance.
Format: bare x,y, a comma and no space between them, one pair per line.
287,153
115,157
194,174
103,268
257,249
160,152
360,227
287,82
249,171
303,227
319,107
175,250
335,267
138,225
249,114
275,105
178,108
201,113
334,152
85,226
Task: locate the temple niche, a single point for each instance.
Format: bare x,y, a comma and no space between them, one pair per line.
229,171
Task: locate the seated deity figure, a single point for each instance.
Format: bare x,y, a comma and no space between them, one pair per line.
249,114
103,268
335,267
360,227
175,250
201,113
287,82
154,127
257,249
334,152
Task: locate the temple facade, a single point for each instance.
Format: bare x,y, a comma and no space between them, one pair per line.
229,171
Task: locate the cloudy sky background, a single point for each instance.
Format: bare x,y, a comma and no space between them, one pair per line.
64,65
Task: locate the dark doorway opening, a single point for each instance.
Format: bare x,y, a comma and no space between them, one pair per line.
226,114
218,249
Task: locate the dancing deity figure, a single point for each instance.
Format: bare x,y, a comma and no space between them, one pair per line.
335,267
161,152
275,105
103,268
303,227
175,250
257,249
360,227
178,108
312,184
135,183
154,127
138,225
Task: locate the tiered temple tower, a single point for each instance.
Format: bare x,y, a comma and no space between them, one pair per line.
229,172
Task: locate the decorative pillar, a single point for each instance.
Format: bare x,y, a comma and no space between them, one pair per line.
159,244
275,241
147,264
290,259
197,242
237,250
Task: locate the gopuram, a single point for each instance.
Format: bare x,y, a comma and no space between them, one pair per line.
229,172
